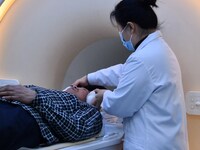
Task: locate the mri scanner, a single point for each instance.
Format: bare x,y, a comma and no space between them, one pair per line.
40,41
52,43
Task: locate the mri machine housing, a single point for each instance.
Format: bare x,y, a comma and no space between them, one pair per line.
53,48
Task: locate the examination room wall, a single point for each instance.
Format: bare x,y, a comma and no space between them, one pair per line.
40,39
180,22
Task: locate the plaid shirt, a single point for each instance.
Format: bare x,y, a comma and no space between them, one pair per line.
62,117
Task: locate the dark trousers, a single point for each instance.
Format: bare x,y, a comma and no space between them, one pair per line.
17,128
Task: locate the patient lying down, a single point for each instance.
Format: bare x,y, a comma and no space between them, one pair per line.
32,115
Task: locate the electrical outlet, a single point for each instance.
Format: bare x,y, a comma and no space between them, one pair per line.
193,102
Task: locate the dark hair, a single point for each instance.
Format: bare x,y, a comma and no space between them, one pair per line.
137,11
93,87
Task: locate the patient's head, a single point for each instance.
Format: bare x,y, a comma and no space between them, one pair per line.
80,92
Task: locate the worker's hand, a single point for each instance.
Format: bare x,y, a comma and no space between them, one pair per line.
18,93
98,98
82,82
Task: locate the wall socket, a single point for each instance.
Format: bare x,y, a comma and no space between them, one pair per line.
193,102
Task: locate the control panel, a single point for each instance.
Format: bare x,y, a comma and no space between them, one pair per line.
193,102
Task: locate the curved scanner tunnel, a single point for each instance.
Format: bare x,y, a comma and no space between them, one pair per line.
101,54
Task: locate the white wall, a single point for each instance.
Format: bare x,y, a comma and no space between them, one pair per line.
181,21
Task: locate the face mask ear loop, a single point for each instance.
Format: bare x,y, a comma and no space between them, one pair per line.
124,28
131,38
121,33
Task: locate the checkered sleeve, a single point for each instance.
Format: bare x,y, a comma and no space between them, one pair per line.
69,119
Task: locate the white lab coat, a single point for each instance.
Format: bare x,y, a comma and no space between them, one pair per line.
148,95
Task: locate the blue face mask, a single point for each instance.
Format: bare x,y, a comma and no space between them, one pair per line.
128,44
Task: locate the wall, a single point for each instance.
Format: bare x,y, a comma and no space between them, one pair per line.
180,25
39,39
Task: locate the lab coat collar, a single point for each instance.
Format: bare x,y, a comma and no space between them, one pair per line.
150,38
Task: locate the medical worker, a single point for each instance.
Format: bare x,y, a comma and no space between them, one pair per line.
149,94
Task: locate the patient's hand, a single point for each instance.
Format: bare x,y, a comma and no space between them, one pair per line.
17,92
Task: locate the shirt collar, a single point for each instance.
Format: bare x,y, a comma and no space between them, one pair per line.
149,38
136,45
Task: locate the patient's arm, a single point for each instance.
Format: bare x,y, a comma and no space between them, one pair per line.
69,118
17,92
